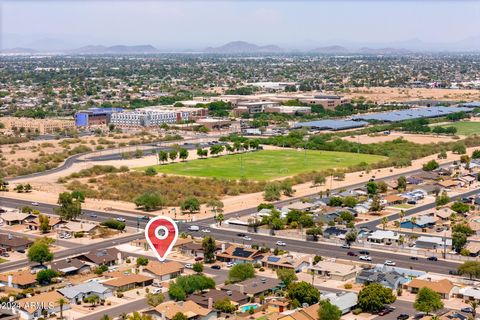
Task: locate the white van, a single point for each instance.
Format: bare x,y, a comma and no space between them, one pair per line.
194,228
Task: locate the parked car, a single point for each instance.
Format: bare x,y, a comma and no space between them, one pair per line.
121,219
467,310
364,252
365,258
453,272
247,238
241,235
432,258
403,316
389,263
345,246
146,218
198,259
194,228
5,254
216,267
352,254
156,290
281,243
230,264
188,266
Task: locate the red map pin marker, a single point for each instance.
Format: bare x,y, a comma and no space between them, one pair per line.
161,233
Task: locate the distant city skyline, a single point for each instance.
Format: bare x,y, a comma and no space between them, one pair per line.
194,25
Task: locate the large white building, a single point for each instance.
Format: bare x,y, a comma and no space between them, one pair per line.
155,116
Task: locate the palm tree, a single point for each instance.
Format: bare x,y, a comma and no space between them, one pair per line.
401,215
474,305
61,302
220,218
384,222
413,220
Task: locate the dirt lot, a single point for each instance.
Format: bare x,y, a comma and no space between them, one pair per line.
383,95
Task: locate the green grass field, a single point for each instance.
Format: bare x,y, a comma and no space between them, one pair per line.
266,164
465,128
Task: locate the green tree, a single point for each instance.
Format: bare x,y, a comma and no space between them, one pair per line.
154,299
179,316
442,199
430,165
78,195
241,271
39,252
303,292
476,154
61,302
328,311
225,305
198,267
183,154
92,299
44,223
149,201
176,292
162,156
372,188
427,301
209,247
45,276
287,276
459,148
374,296
150,171
470,268
402,183
460,207
191,205
271,191
459,240
142,261
173,155
70,208
382,186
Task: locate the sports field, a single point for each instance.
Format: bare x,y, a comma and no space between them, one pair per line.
266,164
465,128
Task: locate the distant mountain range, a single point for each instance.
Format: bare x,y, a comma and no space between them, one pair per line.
118,49
243,47
236,47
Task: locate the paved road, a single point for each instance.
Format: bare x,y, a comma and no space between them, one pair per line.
128,307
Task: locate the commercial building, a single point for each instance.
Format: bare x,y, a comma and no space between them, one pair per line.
410,114
253,107
155,116
40,126
95,116
331,124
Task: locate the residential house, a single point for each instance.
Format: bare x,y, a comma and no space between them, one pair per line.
202,298
468,179
299,205
443,213
15,217
10,242
469,293
414,180
37,306
389,279
449,184
426,242
163,270
384,236
255,286
473,248
334,270
428,189
72,227
70,266
308,313
277,305
81,291
190,309
239,254
286,262
22,279
53,223
419,222
334,232
124,282
195,249
106,257
344,301
444,287
427,175
394,199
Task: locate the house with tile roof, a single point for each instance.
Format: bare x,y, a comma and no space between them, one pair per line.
86,289
34,307
22,279
11,242
239,254
70,266
444,287
163,270
124,282
190,309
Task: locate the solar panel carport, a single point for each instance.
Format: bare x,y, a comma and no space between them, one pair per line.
331,124
409,114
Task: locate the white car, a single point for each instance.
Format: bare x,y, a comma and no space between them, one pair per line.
156,290
281,243
121,219
247,238
193,228
230,264
188,266
365,258
206,231
389,263
35,204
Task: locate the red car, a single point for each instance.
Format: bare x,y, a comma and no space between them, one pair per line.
352,254
198,259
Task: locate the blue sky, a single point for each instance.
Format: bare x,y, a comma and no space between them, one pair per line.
195,24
